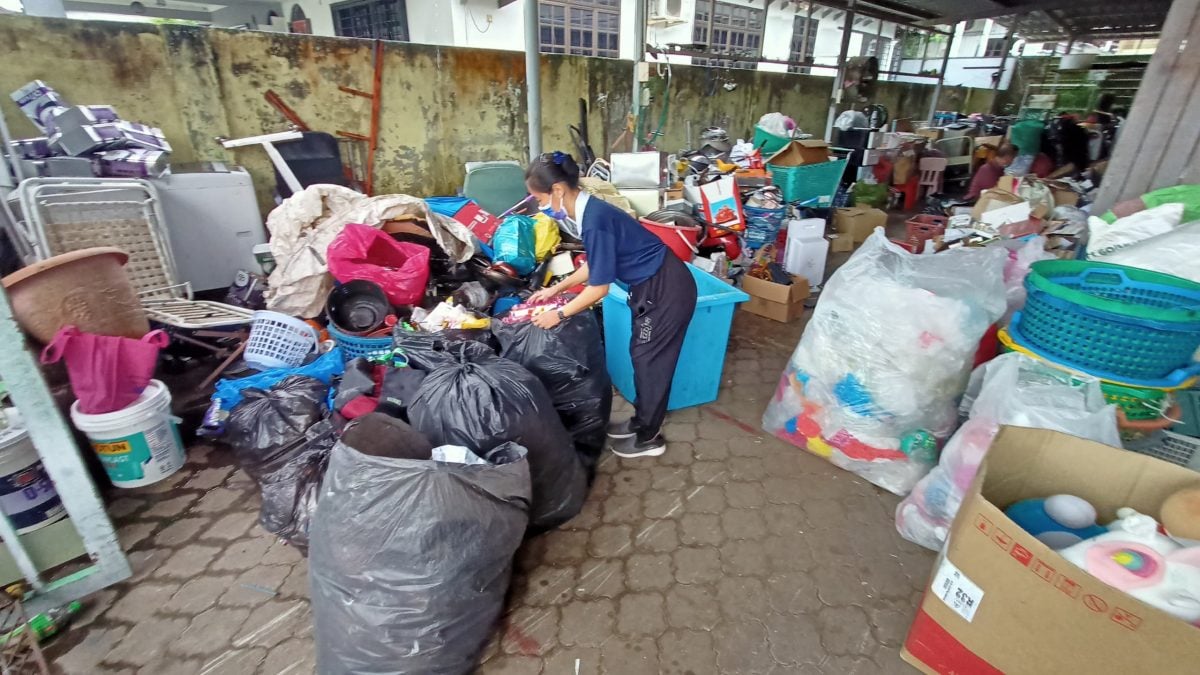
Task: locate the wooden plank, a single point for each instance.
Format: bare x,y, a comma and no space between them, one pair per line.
1146,133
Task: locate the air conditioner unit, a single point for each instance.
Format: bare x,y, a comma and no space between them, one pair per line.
665,12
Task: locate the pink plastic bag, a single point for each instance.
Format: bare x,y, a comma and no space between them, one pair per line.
107,373
362,252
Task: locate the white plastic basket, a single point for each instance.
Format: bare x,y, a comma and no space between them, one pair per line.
278,341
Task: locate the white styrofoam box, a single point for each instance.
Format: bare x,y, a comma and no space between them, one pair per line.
806,229
871,157
806,257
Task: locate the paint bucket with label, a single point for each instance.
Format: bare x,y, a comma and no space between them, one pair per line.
139,444
27,496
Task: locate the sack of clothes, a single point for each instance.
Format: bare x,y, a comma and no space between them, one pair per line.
412,550
569,361
483,401
281,439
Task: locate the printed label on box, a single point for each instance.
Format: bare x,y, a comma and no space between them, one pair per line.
958,592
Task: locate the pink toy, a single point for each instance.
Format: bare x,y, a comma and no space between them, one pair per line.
1134,557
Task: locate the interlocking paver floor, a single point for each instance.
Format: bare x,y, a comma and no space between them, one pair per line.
732,553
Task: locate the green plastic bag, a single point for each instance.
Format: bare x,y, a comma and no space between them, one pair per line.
1188,195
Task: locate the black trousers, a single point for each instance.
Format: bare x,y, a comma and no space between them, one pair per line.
662,308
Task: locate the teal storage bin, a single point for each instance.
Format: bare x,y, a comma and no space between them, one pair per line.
698,375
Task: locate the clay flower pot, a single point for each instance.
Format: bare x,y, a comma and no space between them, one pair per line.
87,288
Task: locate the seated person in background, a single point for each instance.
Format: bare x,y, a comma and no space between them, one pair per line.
989,174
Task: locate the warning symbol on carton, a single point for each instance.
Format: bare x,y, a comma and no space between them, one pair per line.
1021,554
1126,618
1095,603
1043,570
983,524
1001,539
1068,586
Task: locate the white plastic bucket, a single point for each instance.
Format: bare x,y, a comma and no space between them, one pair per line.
27,496
139,444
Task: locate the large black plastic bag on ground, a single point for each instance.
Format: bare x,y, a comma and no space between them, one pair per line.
569,360
431,350
411,560
280,439
484,402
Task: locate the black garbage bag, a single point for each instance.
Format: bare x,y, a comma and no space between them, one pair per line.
411,560
483,402
281,439
569,360
428,351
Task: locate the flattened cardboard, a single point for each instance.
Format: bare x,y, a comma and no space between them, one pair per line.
993,199
799,153
774,301
1035,612
858,222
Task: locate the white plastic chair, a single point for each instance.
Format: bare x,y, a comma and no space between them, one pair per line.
932,169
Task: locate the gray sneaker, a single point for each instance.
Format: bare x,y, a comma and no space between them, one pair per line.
621,430
631,447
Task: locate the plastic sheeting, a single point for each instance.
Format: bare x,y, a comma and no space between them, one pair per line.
411,560
280,439
569,360
874,383
1176,252
1011,389
304,225
486,401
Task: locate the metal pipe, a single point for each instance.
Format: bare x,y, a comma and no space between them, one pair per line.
836,96
1008,45
639,45
533,79
937,89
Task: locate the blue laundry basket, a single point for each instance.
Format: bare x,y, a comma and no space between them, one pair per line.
698,376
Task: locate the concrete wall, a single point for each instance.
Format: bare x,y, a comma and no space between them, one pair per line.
441,106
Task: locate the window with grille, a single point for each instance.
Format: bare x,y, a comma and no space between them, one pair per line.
379,19
582,27
801,51
736,31
878,46
995,47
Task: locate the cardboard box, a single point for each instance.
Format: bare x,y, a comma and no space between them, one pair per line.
993,199
1000,601
776,301
858,222
841,244
994,141
932,133
1063,194
798,153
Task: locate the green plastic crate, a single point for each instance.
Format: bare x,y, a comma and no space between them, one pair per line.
809,181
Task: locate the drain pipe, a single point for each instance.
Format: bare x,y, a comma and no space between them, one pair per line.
937,89
639,53
533,79
835,97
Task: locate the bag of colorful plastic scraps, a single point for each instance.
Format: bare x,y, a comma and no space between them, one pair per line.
281,440
516,244
411,559
1011,389
1021,256
569,360
874,383
484,401
363,252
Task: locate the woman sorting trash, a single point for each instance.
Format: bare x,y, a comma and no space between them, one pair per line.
662,294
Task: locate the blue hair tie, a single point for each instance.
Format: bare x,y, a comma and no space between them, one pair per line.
558,157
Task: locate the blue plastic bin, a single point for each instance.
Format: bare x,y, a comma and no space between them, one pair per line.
698,375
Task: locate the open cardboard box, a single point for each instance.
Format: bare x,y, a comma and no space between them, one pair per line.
798,153
779,302
1000,601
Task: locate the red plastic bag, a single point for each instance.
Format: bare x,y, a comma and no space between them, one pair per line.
107,373
362,252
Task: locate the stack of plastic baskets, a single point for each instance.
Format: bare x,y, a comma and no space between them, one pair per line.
809,184
278,341
355,346
1114,322
763,225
